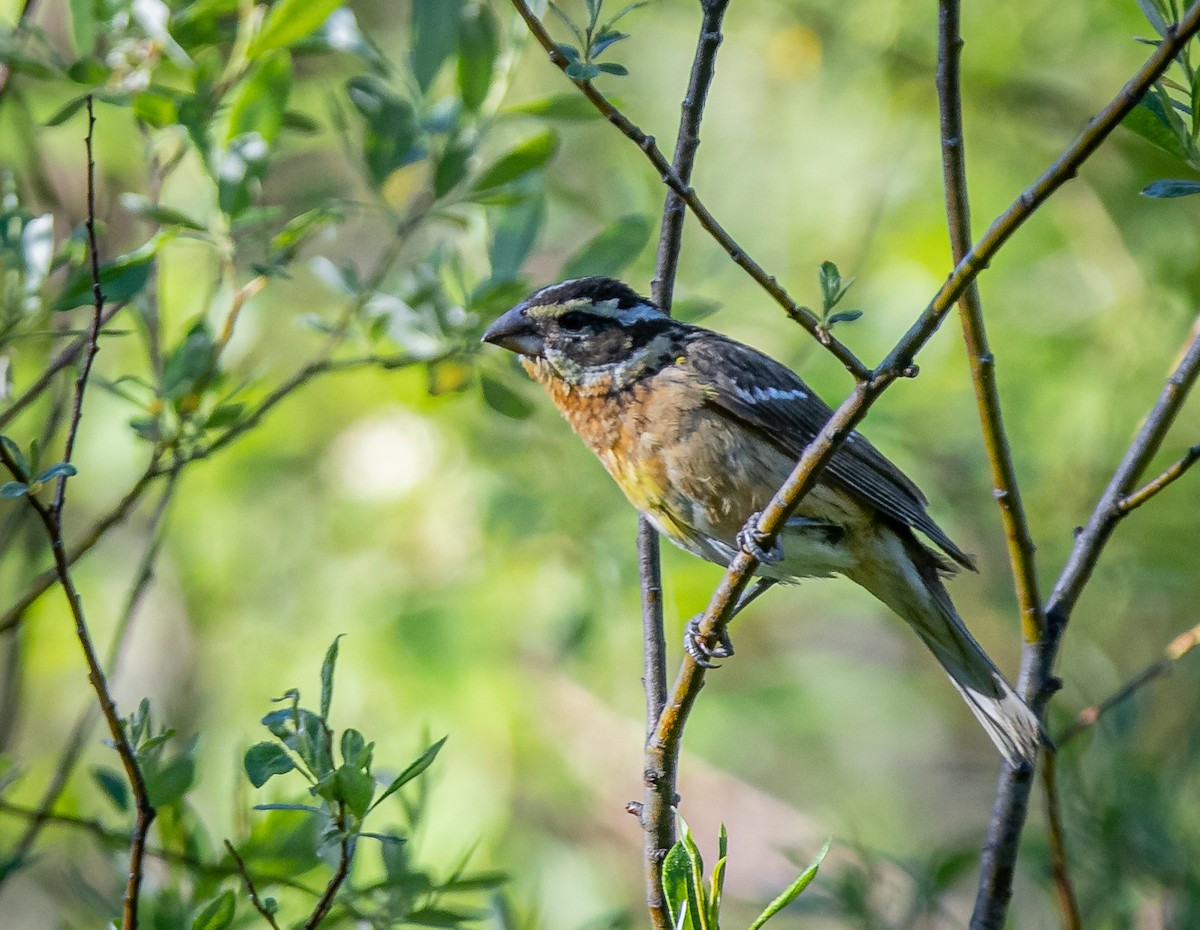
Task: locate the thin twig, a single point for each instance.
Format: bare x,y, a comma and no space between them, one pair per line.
41,583
345,856
1037,683
656,812
133,772
117,839
1060,872
93,343
64,358
1151,488
983,363
671,178
77,740
250,890
1178,647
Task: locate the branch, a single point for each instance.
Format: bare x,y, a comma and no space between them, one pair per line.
64,358
345,855
1150,489
983,363
250,890
656,812
93,342
1180,646
117,839
1037,661
73,749
679,185
133,772
1059,870
666,741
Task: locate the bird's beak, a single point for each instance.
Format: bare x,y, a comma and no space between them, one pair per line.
514,331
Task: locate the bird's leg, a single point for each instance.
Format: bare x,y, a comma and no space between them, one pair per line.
696,645
750,541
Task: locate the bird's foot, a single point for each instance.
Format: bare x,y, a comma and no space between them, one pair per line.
750,541
696,644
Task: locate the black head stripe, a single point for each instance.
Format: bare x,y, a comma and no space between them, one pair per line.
596,289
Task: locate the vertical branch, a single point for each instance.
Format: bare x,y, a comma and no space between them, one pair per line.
51,518
1037,662
660,770
1059,871
983,362
93,344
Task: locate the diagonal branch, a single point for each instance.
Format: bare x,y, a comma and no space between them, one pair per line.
672,179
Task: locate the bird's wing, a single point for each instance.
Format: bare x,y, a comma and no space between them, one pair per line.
771,399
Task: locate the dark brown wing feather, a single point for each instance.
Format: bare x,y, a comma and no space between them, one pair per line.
771,399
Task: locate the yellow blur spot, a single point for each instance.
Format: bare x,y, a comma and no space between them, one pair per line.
403,183
794,53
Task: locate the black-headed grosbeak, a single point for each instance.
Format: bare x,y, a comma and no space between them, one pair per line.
699,431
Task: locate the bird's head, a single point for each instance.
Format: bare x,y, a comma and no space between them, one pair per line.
586,329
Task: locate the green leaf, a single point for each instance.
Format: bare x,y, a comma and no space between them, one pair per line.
13,489
442,917
478,45
306,808
1150,120
157,213
217,914
611,67
566,107
675,870
15,453
697,893
167,784
121,279
582,70
288,21
66,111
60,468
327,668
224,415
843,316
87,71
1154,16
356,788
190,363
260,101
156,108
434,37
515,234
830,280
613,250
113,784
694,309
718,878
605,39
353,745
84,26
528,156
451,168
793,890
391,138
504,400
1175,188
419,765
264,761
240,173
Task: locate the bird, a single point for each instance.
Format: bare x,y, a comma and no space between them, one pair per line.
699,431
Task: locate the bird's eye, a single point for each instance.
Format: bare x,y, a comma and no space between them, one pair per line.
573,321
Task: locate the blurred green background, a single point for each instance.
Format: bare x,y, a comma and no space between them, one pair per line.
482,565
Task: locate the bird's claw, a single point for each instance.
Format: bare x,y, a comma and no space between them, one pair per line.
696,644
750,541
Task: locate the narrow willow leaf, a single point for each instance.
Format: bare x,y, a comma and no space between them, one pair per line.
793,890
613,250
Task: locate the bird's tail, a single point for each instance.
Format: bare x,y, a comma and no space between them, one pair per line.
904,575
